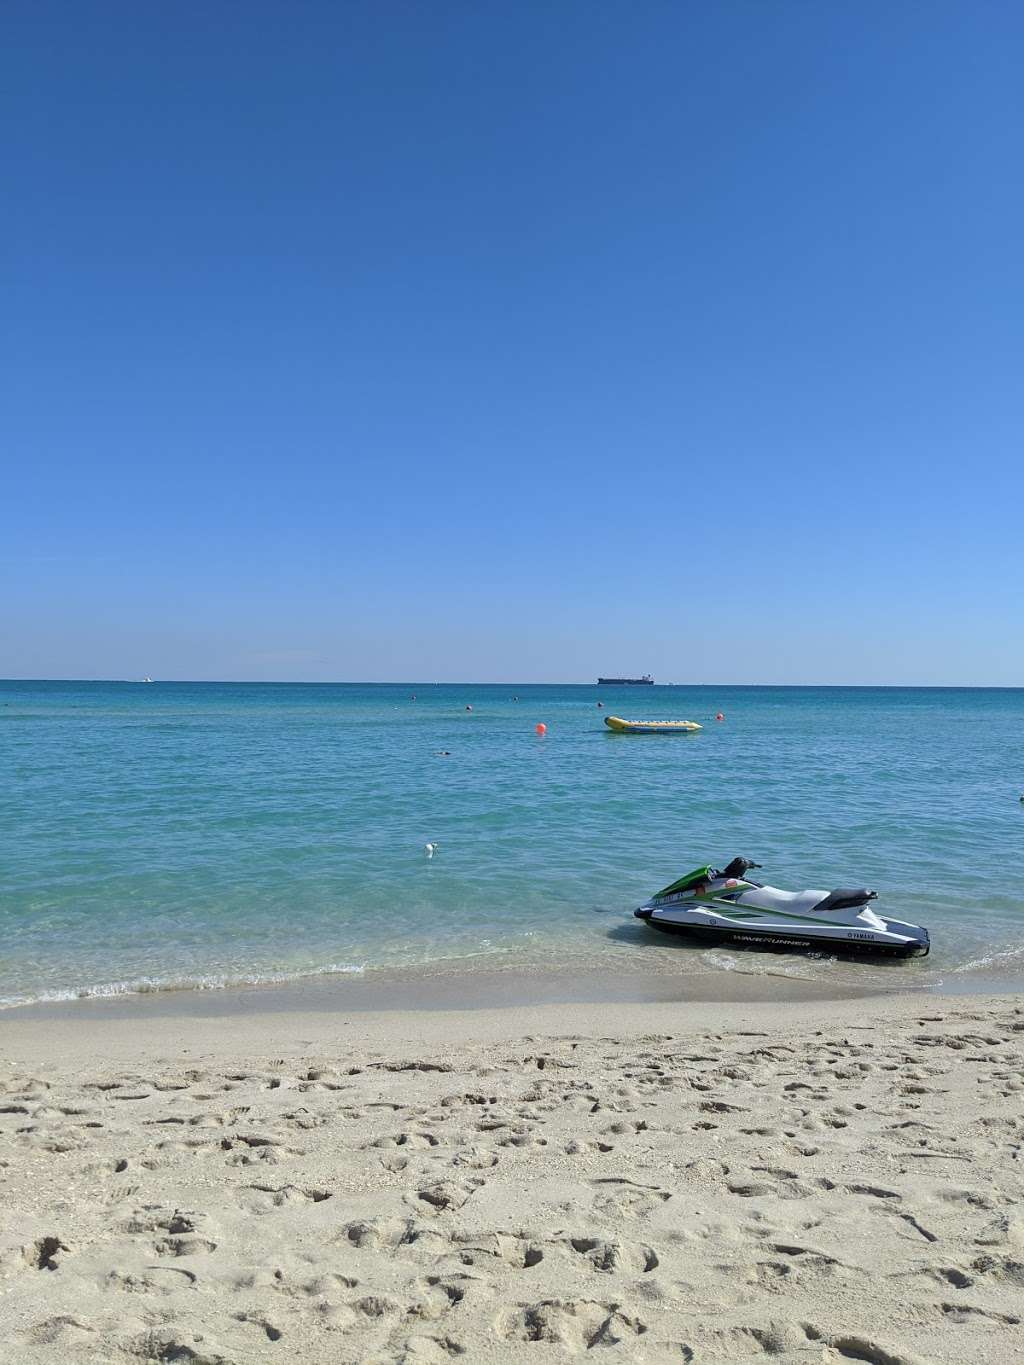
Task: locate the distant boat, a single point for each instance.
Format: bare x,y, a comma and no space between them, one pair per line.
645,681
147,679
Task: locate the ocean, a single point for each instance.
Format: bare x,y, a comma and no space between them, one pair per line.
196,835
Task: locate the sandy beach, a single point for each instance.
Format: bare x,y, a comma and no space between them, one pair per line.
804,1181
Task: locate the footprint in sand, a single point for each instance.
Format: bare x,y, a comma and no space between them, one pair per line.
614,1256
261,1199
575,1325
512,1249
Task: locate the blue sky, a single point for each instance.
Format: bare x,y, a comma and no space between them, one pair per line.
513,341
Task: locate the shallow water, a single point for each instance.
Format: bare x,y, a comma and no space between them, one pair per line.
176,835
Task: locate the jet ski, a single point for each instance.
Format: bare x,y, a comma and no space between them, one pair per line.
728,907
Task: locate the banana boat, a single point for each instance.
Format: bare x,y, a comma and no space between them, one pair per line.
651,727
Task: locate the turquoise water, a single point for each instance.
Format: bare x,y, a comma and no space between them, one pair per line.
174,835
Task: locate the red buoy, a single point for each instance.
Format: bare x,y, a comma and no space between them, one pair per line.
542,729
720,716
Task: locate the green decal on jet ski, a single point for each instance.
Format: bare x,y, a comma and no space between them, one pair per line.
702,874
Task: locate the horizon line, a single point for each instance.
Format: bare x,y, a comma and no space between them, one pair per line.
366,682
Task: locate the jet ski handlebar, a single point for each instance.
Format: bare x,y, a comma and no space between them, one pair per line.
739,867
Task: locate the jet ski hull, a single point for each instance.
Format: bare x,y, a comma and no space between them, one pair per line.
782,939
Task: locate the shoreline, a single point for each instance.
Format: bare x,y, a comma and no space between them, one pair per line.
435,1009
443,986
451,983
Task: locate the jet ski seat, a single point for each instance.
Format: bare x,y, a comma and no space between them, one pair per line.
784,902
846,900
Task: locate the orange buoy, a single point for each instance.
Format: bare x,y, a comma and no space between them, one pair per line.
542,729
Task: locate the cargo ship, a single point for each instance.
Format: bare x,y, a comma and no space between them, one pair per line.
645,681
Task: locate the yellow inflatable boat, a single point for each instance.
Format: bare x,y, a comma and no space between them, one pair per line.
651,727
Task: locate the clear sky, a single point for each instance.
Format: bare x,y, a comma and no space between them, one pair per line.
513,341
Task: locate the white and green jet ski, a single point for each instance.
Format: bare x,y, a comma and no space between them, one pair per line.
728,907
